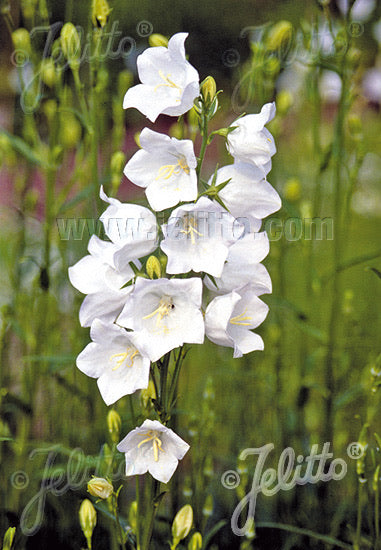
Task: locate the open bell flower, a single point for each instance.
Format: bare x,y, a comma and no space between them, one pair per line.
198,236
113,359
243,265
248,194
97,276
250,141
132,228
152,448
165,314
169,83
166,167
229,319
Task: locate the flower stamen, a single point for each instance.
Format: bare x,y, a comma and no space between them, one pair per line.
190,228
240,319
156,443
168,170
165,307
129,353
167,82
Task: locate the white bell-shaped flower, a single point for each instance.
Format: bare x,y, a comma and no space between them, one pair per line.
165,314
132,228
113,358
198,236
250,141
169,82
166,167
229,319
248,194
97,276
152,448
243,265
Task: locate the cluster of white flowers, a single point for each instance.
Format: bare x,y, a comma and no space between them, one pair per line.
211,247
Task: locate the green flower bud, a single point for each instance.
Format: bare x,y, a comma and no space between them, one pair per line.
208,89
50,109
279,36
193,117
87,519
117,163
208,506
176,130
21,41
28,8
70,130
195,542
100,12
153,268
376,479
182,524
284,102
292,190
100,488
114,424
71,45
125,81
8,538
147,395
48,72
355,125
157,40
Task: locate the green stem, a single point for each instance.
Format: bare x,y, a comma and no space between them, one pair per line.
117,520
359,518
204,132
154,493
377,516
137,496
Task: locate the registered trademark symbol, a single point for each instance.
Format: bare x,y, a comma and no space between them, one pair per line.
355,450
356,29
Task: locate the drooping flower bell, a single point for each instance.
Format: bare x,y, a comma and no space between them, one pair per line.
169,82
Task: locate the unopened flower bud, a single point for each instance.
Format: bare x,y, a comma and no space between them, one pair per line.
147,395
354,125
71,45
284,102
376,479
100,488
28,8
50,109
137,138
157,40
87,519
132,515
21,41
208,506
195,542
153,268
70,130
292,190
117,163
114,424
182,524
176,130
100,12
279,36
208,89
125,81
8,538
193,117
48,72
